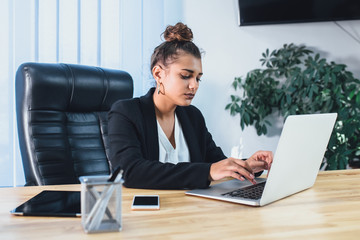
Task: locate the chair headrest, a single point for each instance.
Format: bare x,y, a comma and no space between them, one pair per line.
71,87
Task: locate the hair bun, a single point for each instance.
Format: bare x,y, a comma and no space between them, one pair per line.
179,32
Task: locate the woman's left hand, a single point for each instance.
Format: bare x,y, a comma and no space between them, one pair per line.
261,160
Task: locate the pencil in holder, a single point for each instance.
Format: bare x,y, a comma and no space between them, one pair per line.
100,204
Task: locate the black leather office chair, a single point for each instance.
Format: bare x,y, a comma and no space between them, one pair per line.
62,119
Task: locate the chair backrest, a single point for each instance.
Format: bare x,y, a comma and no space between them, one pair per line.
62,119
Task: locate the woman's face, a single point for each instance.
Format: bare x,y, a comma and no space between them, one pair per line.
180,80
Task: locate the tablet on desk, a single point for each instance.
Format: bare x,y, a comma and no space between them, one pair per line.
51,203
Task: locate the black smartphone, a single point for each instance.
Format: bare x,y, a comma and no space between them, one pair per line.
146,202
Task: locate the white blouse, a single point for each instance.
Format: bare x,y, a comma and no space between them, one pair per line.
169,154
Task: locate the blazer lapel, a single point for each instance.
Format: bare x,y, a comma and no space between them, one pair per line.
189,134
149,118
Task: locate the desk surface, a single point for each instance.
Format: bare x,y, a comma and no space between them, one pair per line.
329,210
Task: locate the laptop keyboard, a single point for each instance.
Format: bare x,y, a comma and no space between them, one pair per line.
250,192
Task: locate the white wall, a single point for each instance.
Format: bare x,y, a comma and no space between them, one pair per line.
232,51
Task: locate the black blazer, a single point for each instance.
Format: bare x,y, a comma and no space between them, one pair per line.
134,145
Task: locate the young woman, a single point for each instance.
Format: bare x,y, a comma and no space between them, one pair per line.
160,140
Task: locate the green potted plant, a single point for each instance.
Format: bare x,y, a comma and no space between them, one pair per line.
296,80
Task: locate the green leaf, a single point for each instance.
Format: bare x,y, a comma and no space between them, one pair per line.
264,129
317,56
326,78
233,98
288,99
338,68
242,125
315,89
311,93
246,118
333,78
358,99
235,84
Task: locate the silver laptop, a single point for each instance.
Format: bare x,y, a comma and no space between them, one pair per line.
296,163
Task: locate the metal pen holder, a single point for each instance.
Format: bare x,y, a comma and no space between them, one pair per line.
100,204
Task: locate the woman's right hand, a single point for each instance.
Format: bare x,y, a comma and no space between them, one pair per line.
232,167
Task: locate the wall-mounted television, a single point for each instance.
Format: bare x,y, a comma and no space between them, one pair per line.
259,12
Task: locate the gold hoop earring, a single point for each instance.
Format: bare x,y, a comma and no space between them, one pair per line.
159,89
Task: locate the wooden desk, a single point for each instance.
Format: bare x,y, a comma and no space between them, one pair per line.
329,210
